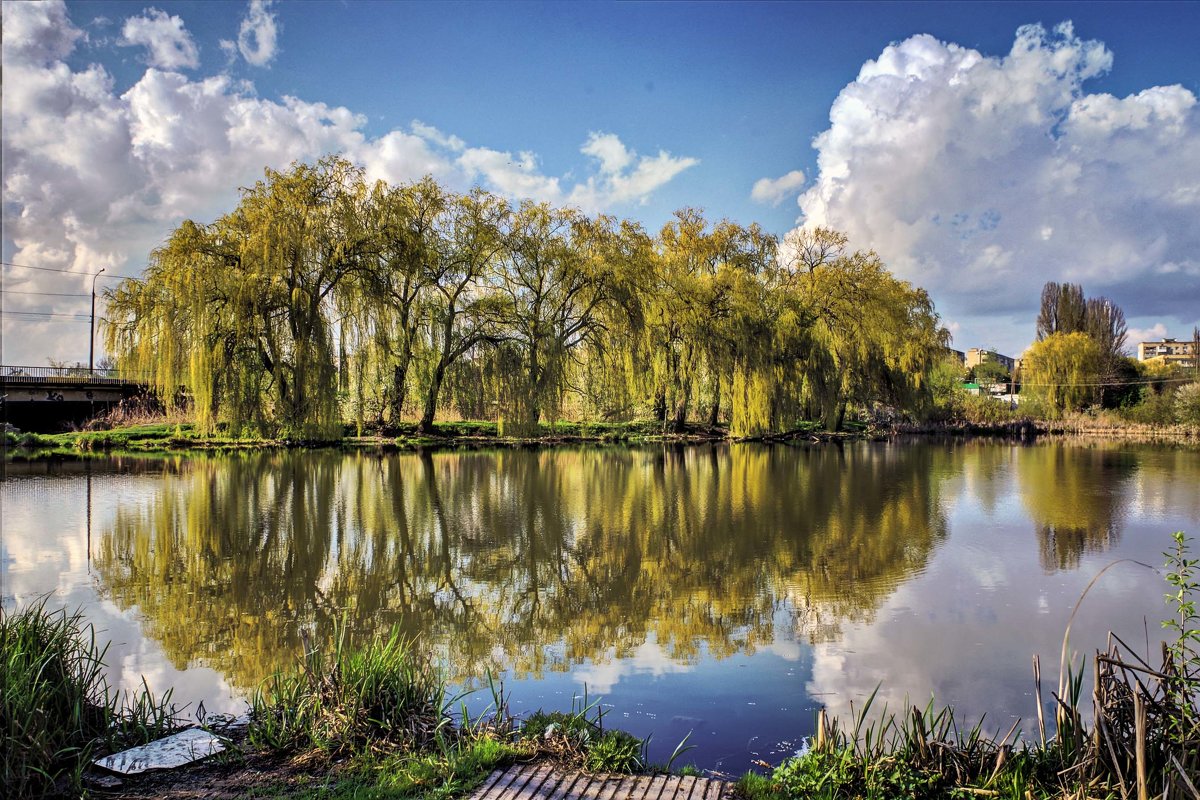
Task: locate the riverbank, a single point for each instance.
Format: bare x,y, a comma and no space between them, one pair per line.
182,437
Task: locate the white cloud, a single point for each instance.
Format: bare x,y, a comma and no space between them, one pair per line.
258,36
613,155
92,178
775,190
983,177
432,134
516,176
1134,336
38,33
168,43
618,183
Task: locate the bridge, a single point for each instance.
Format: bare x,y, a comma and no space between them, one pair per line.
49,399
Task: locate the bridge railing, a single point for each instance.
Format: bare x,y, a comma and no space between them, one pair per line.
12,374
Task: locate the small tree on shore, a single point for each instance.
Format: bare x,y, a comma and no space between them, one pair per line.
1063,369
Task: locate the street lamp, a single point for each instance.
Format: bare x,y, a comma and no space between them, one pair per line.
92,343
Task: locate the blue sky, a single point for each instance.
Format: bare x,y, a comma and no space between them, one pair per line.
1080,171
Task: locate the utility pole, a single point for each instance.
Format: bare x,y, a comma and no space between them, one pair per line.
92,342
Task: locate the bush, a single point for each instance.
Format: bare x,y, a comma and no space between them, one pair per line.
1187,404
982,409
1155,408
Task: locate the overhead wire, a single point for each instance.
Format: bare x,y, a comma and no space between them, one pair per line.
71,271
46,294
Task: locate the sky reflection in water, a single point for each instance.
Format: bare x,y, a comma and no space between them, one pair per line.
727,590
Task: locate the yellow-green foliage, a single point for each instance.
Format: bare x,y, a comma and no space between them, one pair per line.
1062,370
320,299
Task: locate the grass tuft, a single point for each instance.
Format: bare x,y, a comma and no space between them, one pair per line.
381,696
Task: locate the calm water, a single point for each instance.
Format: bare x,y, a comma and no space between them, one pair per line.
727,590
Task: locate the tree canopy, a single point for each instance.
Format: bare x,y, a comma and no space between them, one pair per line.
322,298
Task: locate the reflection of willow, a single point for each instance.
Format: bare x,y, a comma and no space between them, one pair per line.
1074,495
527,560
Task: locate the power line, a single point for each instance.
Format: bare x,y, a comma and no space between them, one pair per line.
46,294
74,317
1146,382
42,269
68,271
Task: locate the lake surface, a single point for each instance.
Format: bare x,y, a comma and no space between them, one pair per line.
728,591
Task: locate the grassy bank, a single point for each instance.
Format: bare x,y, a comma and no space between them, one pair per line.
374,721
177,437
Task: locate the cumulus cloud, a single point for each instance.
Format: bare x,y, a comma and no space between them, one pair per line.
258,36
516,176
168,44
625,177
1155,333
95,178
774,191
612,154
982,177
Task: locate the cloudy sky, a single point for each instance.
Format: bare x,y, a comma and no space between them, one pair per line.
981,149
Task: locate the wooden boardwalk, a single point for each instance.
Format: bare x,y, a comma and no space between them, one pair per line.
543,782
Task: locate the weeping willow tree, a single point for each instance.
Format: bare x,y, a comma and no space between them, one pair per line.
404,221
237,312
554,288
463,310
1063,370
873,338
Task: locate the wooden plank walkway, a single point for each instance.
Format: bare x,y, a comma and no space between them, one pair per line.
543,782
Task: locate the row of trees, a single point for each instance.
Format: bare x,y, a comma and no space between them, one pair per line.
323,297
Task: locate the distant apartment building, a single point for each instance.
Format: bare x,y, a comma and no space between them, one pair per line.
977,356
1168,351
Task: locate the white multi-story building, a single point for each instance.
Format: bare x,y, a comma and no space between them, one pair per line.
1168,351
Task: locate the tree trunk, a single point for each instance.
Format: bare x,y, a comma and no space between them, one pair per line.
435,386
714,411
399,377
680,417
660,406
831,414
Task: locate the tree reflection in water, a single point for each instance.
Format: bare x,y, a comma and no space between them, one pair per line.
522,560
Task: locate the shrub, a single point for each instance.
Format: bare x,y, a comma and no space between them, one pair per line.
1155,408
1187,404
982,409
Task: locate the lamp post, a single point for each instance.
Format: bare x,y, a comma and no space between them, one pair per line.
92,342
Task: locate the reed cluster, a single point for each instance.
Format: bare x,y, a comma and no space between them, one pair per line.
381,717
372,698
57,711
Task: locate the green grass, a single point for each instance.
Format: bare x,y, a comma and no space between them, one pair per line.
380,718
368,699
56,709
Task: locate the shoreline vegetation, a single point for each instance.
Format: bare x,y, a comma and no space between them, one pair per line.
378,721
183,437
